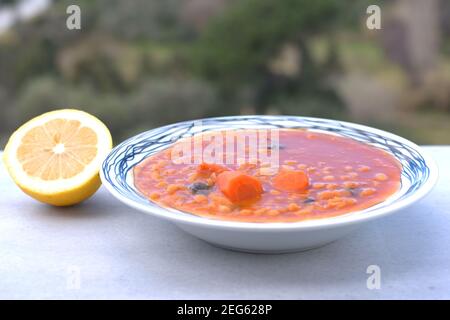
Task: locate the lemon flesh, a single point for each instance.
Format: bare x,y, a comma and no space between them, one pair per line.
55,158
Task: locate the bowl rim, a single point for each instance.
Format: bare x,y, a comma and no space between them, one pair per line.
311,224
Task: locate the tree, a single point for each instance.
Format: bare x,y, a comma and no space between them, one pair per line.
237,47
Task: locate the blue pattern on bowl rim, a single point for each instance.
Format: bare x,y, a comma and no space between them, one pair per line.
116,171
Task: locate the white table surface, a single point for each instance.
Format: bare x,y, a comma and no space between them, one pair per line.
102,249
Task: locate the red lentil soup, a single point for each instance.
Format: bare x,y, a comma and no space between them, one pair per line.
319,175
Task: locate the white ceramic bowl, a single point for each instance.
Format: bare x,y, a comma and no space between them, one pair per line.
419,174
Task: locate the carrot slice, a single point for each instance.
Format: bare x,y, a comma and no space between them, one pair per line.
238,187
291,181
210,168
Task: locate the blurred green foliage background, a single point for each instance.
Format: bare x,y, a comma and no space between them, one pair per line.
138,64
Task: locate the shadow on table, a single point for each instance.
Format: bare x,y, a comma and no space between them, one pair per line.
94,208
153,248
393,243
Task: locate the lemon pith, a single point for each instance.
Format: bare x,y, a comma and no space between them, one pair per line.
55,157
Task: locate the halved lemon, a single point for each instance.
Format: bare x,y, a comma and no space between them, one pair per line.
55,158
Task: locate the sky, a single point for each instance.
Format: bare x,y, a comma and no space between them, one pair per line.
24,10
